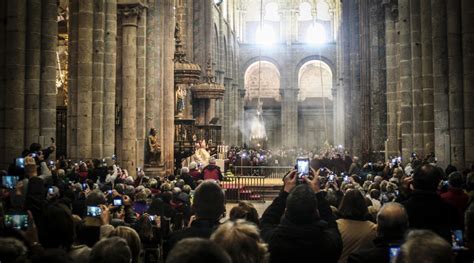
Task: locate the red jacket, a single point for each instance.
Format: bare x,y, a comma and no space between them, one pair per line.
212,172
460,200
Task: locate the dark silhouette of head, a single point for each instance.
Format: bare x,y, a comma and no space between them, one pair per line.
301,205
209,201
427,177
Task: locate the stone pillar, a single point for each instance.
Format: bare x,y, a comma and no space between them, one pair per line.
456,96
141,88
98,79
365,87
354,135
289,117
49,45
168,22
406,117
241,111
15,79
392,77
72,79
32,72
84,78
129,87
109,77
3,16
417,91
153,71
440,81
427,76
467,7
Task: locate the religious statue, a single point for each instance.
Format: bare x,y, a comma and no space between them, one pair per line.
201,156
153,148
180,100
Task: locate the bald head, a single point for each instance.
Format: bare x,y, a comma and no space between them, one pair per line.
392,221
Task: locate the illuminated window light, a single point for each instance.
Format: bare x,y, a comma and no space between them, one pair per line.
316,34
265,36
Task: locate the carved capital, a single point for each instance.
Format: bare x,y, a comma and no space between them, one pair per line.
131,10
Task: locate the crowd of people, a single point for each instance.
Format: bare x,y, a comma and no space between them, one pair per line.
93,211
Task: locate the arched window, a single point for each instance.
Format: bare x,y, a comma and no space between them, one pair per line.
265,35
316,34
271,12
323,10
305,12
315,80
262,79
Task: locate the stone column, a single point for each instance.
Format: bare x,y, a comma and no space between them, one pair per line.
365,87
467,8
427,76
392,77
141,88
49,45
32,72
289,117
440,81
168,22
153,71
109,77
129,86
72,80
241,112
456,96
15,79
417,91
84,78
406,117
98,80
354,135
3,16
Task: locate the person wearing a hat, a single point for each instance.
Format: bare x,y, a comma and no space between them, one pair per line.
212,171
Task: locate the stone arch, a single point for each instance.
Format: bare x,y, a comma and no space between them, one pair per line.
315,80
323,58
269,80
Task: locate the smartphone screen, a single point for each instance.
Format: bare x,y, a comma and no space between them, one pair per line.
457,239
50,190
20,162
346,179
94,211
118,202
302,166
17,220
393,251
10,181
331,178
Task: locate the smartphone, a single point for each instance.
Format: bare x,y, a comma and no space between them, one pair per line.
152,218
17,220
84,186
346,179
10,181
109,192
331,178
457,239
118,202
393,251
94,211
50,190
20,162
302,166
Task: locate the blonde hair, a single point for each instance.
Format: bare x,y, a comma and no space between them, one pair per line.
132,238
241,240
